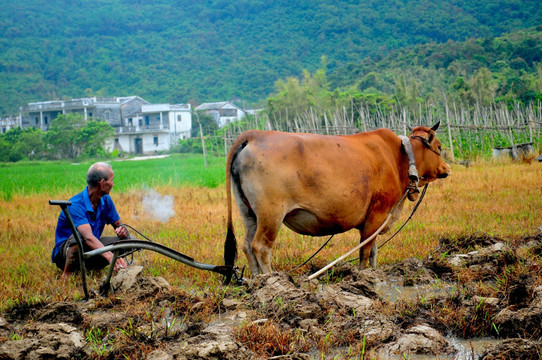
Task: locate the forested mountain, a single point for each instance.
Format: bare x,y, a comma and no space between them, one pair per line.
505,68
210,50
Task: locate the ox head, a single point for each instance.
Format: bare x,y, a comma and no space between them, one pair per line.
427,151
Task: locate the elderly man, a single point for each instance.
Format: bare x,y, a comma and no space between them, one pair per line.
91,210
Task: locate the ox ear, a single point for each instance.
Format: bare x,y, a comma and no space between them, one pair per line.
435,127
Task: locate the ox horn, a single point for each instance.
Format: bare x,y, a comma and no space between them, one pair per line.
435,127
409,127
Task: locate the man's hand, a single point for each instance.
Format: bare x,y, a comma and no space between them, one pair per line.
120,264
121,232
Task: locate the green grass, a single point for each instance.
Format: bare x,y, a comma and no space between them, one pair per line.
54,177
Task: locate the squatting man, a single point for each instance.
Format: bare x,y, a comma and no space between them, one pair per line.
91,210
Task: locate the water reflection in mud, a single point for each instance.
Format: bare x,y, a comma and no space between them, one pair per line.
393,291
469,348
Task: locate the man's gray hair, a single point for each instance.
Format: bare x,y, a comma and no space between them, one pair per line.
97,172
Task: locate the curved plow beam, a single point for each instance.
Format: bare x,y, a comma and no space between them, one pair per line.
161,249
134,245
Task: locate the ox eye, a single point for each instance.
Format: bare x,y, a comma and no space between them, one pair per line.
440,147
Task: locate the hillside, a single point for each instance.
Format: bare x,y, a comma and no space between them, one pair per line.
181,51
508,66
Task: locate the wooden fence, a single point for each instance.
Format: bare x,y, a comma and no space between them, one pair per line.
466,132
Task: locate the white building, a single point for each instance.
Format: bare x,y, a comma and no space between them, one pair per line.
9,122
223,112
140,127
112,109
156,127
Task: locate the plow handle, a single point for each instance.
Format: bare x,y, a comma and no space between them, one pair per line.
64,206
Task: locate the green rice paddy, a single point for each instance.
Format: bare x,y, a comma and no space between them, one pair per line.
55,177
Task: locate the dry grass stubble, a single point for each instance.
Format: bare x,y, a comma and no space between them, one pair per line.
499,199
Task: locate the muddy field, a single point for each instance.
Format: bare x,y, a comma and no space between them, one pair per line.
472,298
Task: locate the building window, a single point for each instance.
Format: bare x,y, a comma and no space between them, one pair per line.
155,141
140,122
146,121
107,115
179,118
45,120
228,112
36,119
130,121
158,117
116,140
89,114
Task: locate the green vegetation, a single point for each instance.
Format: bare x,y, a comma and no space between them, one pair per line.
209,50
70,136
474,73
483,70
63,177
372,63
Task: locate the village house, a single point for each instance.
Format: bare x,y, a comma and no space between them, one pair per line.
9,122
222,112
140,127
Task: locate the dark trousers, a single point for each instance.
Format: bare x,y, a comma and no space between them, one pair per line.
93,263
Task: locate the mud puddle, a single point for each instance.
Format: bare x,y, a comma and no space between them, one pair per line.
394,291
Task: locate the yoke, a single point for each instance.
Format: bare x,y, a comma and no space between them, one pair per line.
131,244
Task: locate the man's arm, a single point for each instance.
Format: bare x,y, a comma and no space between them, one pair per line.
88,237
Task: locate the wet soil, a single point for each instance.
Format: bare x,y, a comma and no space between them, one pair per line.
470,289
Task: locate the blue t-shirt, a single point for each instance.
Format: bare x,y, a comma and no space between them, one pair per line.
81,212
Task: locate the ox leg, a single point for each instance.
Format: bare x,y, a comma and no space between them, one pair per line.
250,222
258,242
263,243
367,255
250,228
372,256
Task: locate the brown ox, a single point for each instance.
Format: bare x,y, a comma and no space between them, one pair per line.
321,185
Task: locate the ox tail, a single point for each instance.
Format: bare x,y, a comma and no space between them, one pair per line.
230,245
230,253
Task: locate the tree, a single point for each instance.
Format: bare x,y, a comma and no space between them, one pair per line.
12,136
208,124
482,87
317,87
294,96
407,92
538,78
4,150
29,145
92,137
70,135
63,136
18,144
